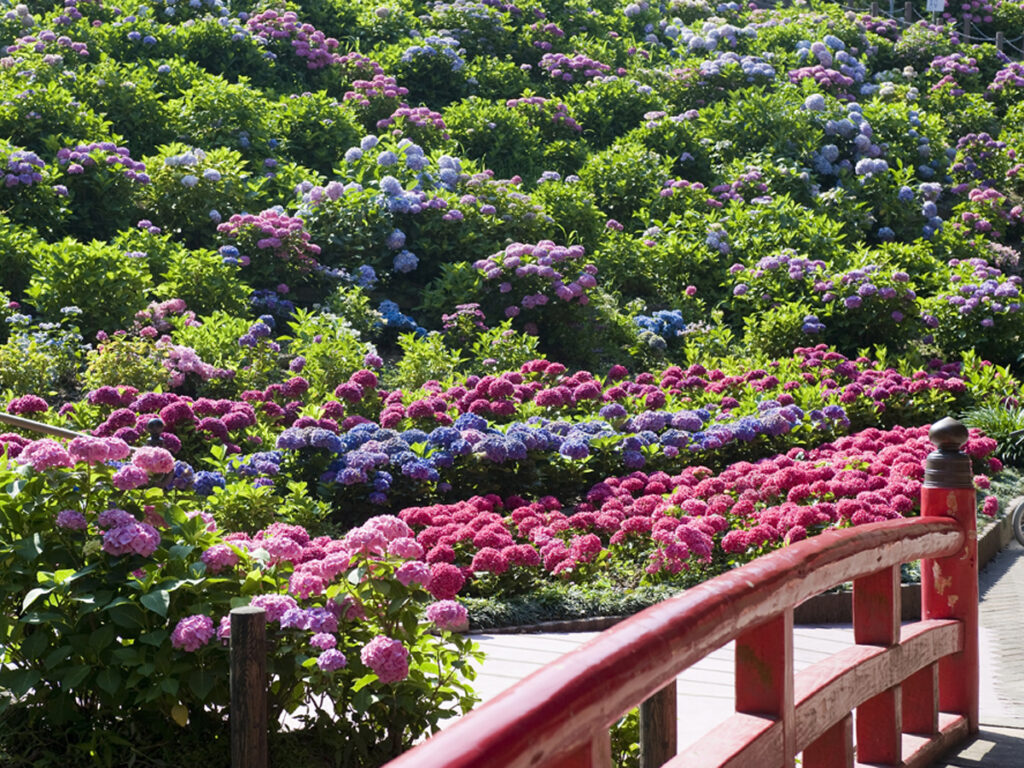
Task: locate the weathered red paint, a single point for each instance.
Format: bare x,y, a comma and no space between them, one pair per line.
555,713
833,749
764,675
949,590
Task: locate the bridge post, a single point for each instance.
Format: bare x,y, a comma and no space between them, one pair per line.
248,713
949,585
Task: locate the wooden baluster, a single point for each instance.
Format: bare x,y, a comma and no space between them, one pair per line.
764,676
659,726
921,702
876,621
833,749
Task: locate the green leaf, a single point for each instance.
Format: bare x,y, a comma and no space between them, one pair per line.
363,681
56,656
75,676
33,646
180,551
155,638
101,638
33,595
30,547
157,601
109,680
201,681
19,681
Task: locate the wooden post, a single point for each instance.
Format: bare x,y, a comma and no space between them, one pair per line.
966,31
764,676
908,12
833,749
248,687
876,621
949,585
874,10
659,725
1000,41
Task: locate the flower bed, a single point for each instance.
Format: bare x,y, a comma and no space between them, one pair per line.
417,304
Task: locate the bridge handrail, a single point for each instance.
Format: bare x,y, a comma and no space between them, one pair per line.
897,678
548,716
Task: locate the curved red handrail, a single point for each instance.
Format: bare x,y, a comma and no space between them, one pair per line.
556,711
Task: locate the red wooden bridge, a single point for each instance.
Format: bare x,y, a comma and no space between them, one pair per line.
914,688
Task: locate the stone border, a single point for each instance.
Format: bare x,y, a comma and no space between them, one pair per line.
826,608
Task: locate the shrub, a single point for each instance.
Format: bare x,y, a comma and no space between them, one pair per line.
107,284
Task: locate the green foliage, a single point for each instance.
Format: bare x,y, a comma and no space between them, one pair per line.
89,630
127,360
205,282
623,180
776,331
502,139
108,285
423,359
609,109
331,347
315,130
191,190
39,358
130,98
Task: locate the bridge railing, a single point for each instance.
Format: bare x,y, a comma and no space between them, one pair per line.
914,687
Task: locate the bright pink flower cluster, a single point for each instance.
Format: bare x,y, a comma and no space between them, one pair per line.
387,657
127,536
448,615
306,41
192,633
282,236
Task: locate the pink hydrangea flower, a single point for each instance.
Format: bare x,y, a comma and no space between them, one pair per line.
448,615
131,537
192,633
72,520
219,557
332,659
45,454
387,657
445,581
323,641
275,605
129,477
155,461
413,572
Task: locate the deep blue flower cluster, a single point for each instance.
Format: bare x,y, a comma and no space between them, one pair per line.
373,457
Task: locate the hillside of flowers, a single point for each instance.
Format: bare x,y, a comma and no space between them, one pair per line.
379,315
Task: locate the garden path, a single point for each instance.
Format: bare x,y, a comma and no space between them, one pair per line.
705,690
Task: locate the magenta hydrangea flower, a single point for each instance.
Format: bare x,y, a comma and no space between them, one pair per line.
45,454
323,641
415,571
387,657
192,633
129,477
448,615
97,450
155,461
72,520
331,659
219,557
131,537
445,581
275,605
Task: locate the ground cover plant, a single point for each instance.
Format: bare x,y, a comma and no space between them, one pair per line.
375,313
